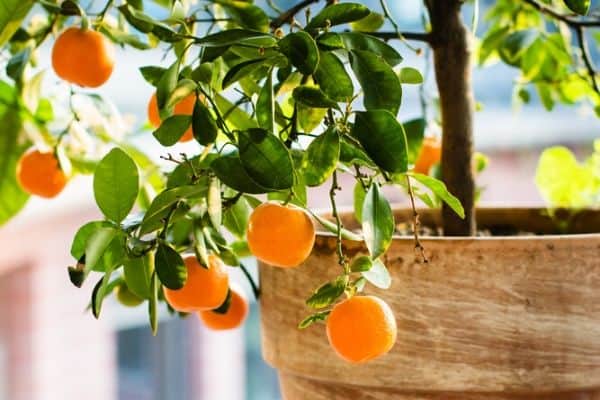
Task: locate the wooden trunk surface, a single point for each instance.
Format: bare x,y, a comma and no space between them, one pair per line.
511,317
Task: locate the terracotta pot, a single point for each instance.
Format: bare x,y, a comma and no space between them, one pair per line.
513,317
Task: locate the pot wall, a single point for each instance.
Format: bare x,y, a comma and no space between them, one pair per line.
507,316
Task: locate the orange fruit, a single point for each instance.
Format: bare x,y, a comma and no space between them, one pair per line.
40,174
430,154
184,107
233,318
83,57
280,235
204,289
361,328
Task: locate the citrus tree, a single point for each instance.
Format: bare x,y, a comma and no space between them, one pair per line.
277,100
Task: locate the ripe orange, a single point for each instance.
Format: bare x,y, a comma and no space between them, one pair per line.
40,174
234,317
280,235
83,56
361,328
205,288
430,154
184,107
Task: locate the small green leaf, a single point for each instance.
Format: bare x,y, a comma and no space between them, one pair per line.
215,209
245,14
337,14
370,23
172,129
327,294
381,86
265,105
166,84
411,76
184,88
361,264
230,171
170,268
321,158
153,304
332,77
160,206
377,222
301,50
83,235
232,36
580,7
204,126
116,184
383,139
96,246
359,199
311,319
361,41
415,132
236,217
137,273
241,70
313,97
152,74
440,190
266,159
378,275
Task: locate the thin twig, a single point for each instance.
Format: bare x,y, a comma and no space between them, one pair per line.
255,288
397,33
332,192
416,36
568,19
585,55
288,15
416,223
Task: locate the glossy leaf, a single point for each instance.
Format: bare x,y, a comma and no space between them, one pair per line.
327,294
204,126
231,36
166,84
361,41
321,158
241,70
230,171
172,129
361,264
580,7
215,210
378,275
12,12
311,319
383,139
332,227
337,14
266,159
82,236
313,97
358,200
170,268
370,23
439,189
381,86
116,184
96,245
235,218
265,105
411,76
332,77
137,273
246,14
377,222
415,132
301,50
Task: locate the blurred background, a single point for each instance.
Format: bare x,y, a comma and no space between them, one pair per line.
51,348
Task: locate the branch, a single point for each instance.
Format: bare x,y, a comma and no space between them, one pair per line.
417,36
585,54
288,15
551,12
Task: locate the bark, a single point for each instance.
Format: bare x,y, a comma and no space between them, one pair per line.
450,41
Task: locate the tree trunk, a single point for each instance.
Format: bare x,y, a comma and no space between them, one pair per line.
450,41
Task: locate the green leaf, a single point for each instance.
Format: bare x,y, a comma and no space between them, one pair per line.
82,236
337,14
381,86
241,70
359,199
361,264
377,222
230,171
415,132
383,138
12,197
137,273
232,36
160,206
12,12
321,158
170,268
515,44
204,126
580,7
116,185
233,115
265,105
370,23
96,246
311,319
124,38
266,159
246,14
327,294
313,97
301,50
310,118
152,74
166,85
153,304
440,190
332,227
172,129
183,89
378,275
411,76
215,210
359,41
332,77
236,217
